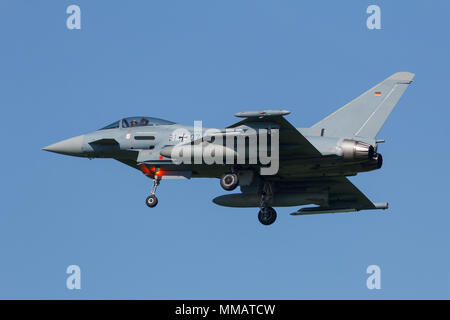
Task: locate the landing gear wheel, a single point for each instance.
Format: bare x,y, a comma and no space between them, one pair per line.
267,216
151,201
229,181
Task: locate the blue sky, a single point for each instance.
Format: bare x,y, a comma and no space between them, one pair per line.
206,60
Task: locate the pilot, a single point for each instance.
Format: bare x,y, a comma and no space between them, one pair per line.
134,123
143,122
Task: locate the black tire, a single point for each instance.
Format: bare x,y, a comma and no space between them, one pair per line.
229,181
151,201
267,216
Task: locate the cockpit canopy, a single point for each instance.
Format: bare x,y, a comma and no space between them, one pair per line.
137,122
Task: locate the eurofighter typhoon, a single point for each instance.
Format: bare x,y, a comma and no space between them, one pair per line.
274,163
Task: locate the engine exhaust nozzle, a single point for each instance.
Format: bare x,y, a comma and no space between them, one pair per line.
356,150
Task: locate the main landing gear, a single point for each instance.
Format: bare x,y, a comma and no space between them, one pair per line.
267,215
152,200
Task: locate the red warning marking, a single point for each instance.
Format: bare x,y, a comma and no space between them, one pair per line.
145,170
151,172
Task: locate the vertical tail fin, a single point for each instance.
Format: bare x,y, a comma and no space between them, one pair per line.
365,115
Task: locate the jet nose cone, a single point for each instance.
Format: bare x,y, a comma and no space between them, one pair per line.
71,147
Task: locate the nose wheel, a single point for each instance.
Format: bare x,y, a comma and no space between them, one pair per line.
152,200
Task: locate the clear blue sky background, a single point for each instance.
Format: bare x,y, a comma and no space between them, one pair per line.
206,60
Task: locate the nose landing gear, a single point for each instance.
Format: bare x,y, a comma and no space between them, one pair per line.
152,200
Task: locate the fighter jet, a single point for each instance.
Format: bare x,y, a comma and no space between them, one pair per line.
308,166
